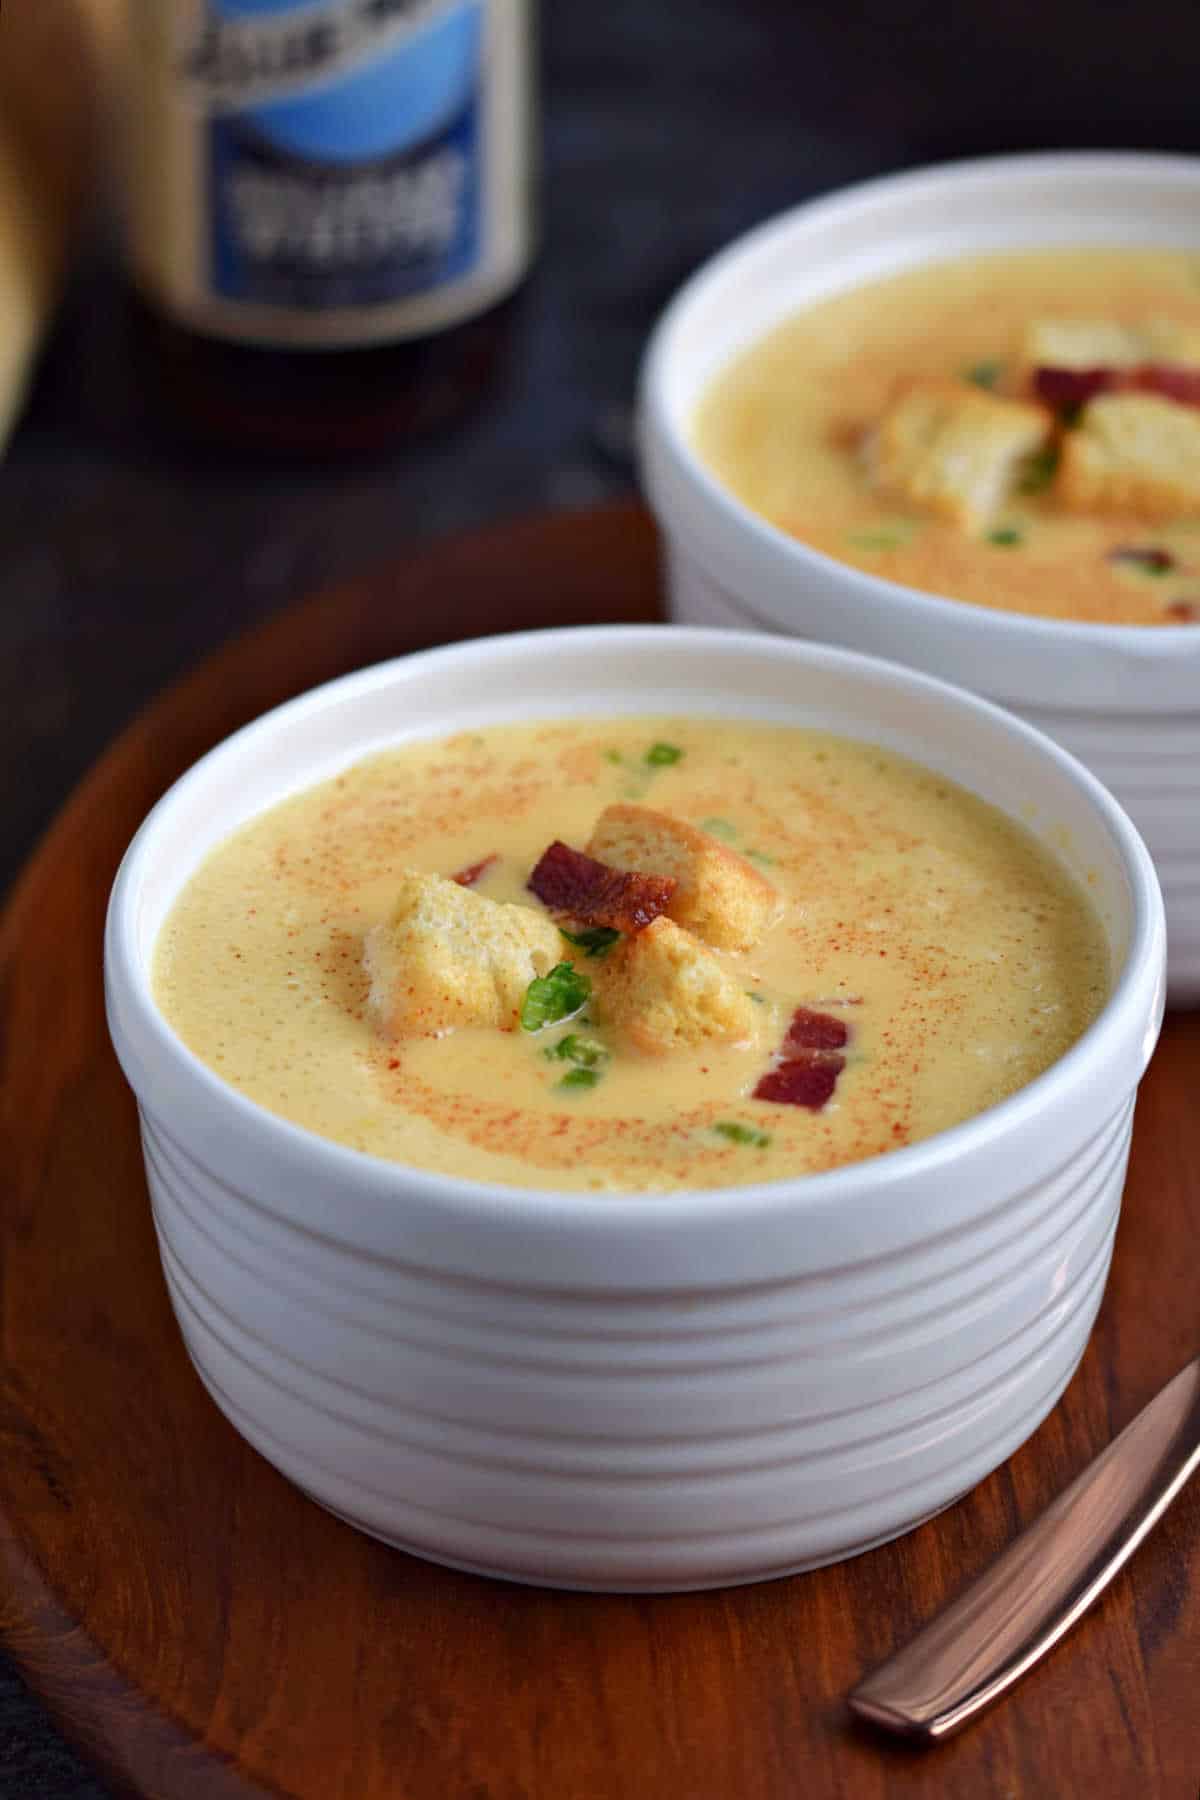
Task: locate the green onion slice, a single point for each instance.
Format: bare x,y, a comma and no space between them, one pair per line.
597,940
549,998
737,1133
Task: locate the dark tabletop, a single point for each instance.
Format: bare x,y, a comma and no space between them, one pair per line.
667,129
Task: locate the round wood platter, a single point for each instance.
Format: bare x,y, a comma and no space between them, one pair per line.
203,1630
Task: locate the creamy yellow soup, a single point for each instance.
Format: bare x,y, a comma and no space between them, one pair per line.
962,956
784,424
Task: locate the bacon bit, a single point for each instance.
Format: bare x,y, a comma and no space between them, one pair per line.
802,1081
1148,557
471,874
1184,610
1066,390
1172,382
810,1061
591,892
811,1030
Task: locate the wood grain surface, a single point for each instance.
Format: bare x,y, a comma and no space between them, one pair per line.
205,1631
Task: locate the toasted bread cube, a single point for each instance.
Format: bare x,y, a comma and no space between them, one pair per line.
447,957
1103,344
1132,453
721,897
954,448
664,991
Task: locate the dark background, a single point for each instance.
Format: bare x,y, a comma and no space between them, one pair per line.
668,127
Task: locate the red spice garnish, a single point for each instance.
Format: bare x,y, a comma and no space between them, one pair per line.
470,875
810,1061
1065,390
1183,610
802,1081
581,888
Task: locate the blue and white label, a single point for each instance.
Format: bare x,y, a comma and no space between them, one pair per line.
352,170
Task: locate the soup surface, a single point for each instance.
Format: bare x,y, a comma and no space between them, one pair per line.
955,957
788,428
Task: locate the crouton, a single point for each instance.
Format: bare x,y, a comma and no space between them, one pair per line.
1132,453
719,895
1103,344
954,449
446,957
664,991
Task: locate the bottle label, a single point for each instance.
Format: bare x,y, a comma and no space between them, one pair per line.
331,171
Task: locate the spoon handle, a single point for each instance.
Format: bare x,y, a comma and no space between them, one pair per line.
1036,1589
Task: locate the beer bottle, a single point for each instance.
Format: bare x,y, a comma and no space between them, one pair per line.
329,206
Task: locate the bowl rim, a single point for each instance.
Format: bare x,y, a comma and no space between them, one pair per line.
656,417
1136,995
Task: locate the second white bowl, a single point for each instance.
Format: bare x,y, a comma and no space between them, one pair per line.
1124,699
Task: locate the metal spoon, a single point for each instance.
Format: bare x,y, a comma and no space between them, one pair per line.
1034,1592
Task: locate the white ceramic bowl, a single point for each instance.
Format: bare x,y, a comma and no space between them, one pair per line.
1124,699
638,1391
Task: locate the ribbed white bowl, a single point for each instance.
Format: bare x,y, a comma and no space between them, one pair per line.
1125,699
648,1391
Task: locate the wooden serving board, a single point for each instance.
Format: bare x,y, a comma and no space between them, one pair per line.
203,1630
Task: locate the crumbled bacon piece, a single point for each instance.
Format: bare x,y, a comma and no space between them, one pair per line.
811,1030
807,1080
591,892
1065,390
1171,381
810,1061
472,873
1143,556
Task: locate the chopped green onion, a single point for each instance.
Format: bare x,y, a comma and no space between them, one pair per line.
552,997
742,1134
720,828
877,540
987,373
575,1049
613,756
660,756
1005,536
1039,471
597,940
758,999
760,856
580,1078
